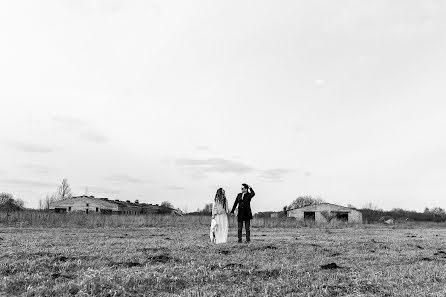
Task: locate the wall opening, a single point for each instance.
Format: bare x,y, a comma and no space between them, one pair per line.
342,216
69,208
60,210
97,209
309,216
86,210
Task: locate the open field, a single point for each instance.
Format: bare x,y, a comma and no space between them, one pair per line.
179,261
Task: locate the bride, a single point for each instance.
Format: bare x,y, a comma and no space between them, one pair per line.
219,225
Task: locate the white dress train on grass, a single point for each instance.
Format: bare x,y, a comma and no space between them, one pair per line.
219,225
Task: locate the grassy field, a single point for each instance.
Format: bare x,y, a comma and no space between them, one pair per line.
179,261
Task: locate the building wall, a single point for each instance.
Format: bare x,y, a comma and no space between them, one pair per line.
97,205
80,204
354,216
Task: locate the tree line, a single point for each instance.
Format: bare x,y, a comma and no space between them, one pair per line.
370,212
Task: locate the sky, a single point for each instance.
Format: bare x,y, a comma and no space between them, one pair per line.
170,100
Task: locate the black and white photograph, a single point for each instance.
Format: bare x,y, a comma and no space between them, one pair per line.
222,148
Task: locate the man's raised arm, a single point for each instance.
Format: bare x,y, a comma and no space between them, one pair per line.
252,192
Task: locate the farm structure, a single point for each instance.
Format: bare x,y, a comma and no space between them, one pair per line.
90,204
326,212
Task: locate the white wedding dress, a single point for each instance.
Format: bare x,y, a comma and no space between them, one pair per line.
219,228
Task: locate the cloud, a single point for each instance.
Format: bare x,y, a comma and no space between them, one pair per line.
203,148
174,188
95,137
36,168
199,167
93,190
69,121
319,82
274,175
123,178
82,128
27,183
32,148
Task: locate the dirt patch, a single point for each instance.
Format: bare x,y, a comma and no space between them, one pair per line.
264,248
228,266
266,274
225,252
163,258
128,264
63,259
420,247
426,259
58,275
331,266
440,253
234,265
152,249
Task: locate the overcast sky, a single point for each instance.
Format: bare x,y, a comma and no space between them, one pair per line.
169,100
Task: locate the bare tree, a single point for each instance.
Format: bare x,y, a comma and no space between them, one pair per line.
20,202
302,201
5,198
8,202
47,201
207,208
370,206
63,191
167,204
438,211
40,204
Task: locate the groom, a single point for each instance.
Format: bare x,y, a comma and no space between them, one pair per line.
244,210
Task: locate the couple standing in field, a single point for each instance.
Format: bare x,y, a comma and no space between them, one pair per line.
219,223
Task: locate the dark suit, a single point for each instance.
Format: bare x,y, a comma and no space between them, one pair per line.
244,212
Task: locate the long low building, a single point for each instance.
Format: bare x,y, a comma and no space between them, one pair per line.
326,212
90,204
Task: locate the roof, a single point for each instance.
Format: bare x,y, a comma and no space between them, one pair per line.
324,203
110,203
102,201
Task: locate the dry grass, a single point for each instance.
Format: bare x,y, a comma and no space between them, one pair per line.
180,261
81,220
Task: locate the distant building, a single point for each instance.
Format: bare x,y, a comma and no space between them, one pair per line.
326,212
90,204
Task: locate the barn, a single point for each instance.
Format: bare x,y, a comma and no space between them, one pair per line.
90,204
326,212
